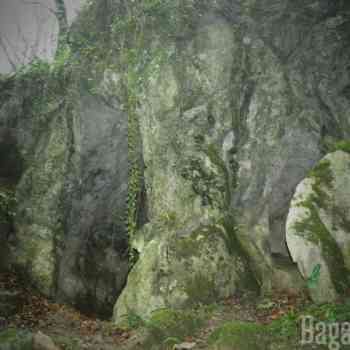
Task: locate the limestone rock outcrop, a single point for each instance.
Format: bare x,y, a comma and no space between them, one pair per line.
185,268
318,227
236,102
70,236
159,115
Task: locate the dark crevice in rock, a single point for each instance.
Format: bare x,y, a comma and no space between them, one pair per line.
142,212
11,170
93,258
11,162
248,86
277,233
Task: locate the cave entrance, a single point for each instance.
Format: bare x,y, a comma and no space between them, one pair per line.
11,169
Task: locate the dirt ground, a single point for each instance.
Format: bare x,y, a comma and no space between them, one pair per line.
71,330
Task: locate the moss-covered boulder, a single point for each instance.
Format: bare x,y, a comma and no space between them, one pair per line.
181,269
318,227
198,108
38,222
233,111
70,236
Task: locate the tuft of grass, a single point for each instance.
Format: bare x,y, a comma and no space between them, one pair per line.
343,145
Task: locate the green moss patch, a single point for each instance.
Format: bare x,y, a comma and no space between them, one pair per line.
248,279
323,178
200,289
313,229
240,335
322,173
166,325
205,182
67,342
341,219
282,333
343,145
216,326
189,246
15,340
8,335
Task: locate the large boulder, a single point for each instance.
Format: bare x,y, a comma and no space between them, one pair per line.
93,259
318,227
183,268
64,144
70,236
234,112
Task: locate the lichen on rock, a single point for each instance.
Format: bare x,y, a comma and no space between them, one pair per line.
179,269
317,230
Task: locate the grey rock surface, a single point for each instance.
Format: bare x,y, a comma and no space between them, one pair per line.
246,100
318,227
70,233
227,106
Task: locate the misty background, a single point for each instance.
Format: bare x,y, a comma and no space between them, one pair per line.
29,29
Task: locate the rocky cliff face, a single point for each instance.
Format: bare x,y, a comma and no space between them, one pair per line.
206,115
70,234
237,103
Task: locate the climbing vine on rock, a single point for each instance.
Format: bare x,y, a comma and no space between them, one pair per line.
138,62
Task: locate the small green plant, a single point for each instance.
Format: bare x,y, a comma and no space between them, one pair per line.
62,59
266,305
131,320
134,321
289,324
36,69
